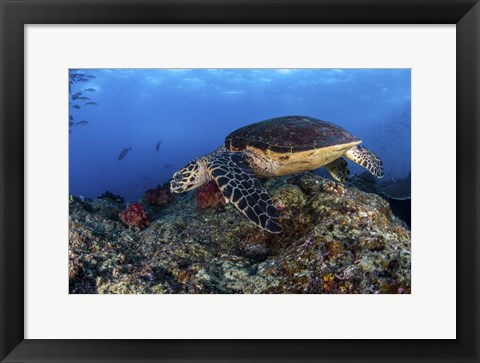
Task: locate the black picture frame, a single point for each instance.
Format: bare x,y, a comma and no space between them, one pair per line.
16,13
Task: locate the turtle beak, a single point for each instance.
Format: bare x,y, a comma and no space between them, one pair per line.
174,187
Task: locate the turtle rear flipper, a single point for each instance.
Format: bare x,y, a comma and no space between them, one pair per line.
241,187
367,159
338,170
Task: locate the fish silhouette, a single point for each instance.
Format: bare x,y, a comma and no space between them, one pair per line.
124,153
158,145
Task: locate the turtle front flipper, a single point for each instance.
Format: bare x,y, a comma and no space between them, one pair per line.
367,159
241,187
338,170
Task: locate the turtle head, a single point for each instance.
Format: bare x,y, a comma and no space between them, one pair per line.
191,176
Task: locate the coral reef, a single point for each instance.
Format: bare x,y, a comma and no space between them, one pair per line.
336,239
135,216
209,196
333,187
365,182
114,197
159,196
396,192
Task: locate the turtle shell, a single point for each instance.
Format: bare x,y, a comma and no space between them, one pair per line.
289,134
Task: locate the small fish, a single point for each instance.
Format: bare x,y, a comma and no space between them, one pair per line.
124,153
75,98
158,145
90,76
89,90
83,98
83,80
166,166
70,117
91,103
70,123
83,122
78,94
76,106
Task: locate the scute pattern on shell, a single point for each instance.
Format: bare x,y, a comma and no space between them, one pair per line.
288,134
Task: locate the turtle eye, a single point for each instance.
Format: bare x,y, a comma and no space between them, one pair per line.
178,177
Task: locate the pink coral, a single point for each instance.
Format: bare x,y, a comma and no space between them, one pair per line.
135,215
209,196
161,195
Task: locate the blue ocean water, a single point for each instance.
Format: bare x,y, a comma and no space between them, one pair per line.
188,113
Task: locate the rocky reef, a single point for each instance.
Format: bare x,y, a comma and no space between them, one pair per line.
336,239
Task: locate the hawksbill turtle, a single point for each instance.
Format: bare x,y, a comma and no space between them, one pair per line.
275,147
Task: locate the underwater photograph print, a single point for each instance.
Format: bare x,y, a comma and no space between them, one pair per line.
239,181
